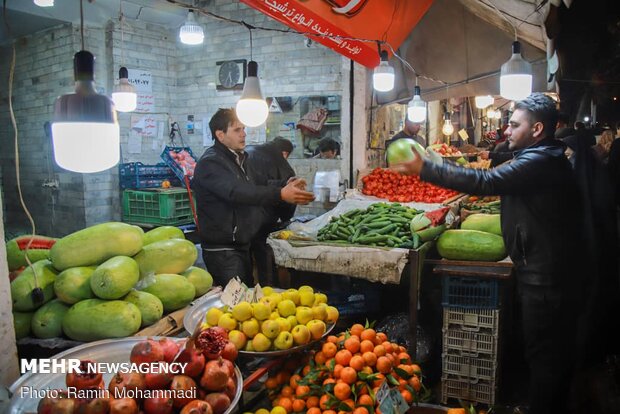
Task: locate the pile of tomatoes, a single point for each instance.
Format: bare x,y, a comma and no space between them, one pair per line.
384,183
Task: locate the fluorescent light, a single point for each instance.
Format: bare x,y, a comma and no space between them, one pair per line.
191,33
252,110
44,3
515,81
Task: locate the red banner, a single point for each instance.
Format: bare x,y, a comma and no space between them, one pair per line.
336,21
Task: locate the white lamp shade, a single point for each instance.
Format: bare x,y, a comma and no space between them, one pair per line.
515,81
124,96
44,3
252,112
383,77
416,110
86,147
191,33
491,113
483,101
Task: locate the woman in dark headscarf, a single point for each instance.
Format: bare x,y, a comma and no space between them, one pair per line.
600,246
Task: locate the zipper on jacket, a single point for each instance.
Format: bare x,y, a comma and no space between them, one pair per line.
234,232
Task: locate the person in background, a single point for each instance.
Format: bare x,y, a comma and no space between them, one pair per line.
269,161
603,147
542,232
562,129
228,200
328,149
410,130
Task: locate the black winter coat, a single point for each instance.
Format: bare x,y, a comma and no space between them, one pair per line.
228,200
540,209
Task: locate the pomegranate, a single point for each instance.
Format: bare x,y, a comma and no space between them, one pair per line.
186,385
92,406
195,362
231,388
218,401
170,347
146,352
131,381
157,405
215,376
86,379
157,381
229,352
56,403
197,407
124,406
212,341
231,367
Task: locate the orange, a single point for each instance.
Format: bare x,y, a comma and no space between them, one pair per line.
329,349
407,396
286,403
350,403
384,365
381,337
389,348
332,339
329,412
320,358
342,391
356,329
366,346
370,359
416,369
379,350
360,410
343,357
401,384
368,334
301,391
352,344
367,370
407,368
357,362
311,402
271,383
293,381
404,358
286,391
402,348
283,377
365,399
323,402
378,381
362,387
348,375
329,362
313,410
392,359
299,405
337,370
306,370
329,381
415,383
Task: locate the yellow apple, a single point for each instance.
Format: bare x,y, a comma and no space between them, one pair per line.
319,311
301,334
291,294
332,314
292,321
261,343
261,310
270,301
270,328
250,328
249,347
286,308
284,324
227,321
242,311
303,315
213,316
317,328
306,298
306,288
284,340
267,290
238,338
320,298
274,315
262,411
277,297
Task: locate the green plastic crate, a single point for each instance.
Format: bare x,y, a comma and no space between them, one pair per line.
157,206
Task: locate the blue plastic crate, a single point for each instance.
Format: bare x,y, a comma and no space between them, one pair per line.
138,182
174,166
139,169
470,292
355,303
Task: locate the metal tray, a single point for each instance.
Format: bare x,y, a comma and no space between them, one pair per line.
108,350
198,309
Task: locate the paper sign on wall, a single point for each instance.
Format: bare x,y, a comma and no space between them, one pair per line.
145,125
143,81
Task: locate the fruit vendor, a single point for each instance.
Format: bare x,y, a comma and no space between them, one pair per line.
541,230
270,161
410,130
229,201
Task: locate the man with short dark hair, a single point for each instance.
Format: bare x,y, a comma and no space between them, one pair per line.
228,200
541,230
563,129
328,149
410,130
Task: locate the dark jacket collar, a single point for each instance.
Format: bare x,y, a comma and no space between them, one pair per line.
551,143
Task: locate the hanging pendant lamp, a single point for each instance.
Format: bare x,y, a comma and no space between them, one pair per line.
383,75
515,81
124,95
252,109
44,3
483,101
416,109
447,128
191,33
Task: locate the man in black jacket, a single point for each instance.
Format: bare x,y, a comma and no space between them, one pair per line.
229,200
269,161
541,230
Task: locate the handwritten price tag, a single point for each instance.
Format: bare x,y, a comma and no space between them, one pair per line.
234,292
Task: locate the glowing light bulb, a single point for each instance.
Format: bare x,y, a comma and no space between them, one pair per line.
416,109
515,81
447,127
383,75
251,109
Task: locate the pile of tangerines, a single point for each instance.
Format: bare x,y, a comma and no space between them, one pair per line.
344,376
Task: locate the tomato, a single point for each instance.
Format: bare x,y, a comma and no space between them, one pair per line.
384,183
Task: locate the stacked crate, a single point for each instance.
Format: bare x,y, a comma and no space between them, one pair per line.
135,175
470,339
